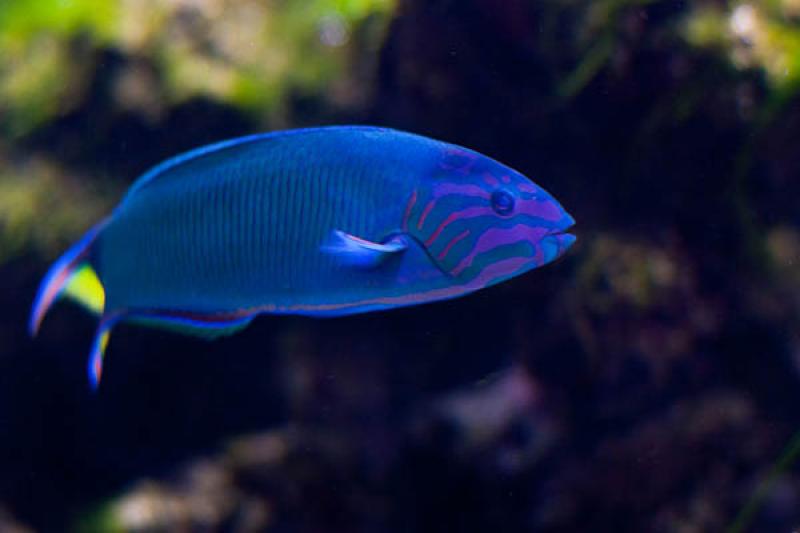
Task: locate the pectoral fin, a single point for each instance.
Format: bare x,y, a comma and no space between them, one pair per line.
355,251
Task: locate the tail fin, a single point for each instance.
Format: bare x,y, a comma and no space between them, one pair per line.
73,276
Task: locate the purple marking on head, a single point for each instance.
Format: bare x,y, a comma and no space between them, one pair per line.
457,160
490,180
494,237
506,178
545,209
538,255
448,189
506,267
527,187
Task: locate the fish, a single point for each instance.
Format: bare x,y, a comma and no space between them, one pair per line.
325,222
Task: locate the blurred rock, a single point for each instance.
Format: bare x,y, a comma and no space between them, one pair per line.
673,454
9,525
503,415
204,498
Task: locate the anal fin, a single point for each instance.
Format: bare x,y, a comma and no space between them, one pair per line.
208,326
99,345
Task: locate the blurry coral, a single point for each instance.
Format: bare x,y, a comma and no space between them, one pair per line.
306,474
757,35
40,207
671,454
203,499
9,525
252,56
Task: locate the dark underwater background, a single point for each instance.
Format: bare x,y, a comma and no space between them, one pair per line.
649,381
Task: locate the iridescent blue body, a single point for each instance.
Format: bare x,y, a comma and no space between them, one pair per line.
325,221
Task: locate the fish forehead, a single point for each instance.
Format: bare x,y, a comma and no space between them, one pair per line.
462,188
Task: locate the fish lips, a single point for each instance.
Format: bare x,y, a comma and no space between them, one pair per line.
556,242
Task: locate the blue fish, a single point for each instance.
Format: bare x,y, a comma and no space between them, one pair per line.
324,222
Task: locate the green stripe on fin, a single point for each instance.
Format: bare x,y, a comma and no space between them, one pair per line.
196,327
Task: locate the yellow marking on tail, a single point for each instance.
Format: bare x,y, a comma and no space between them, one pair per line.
85,288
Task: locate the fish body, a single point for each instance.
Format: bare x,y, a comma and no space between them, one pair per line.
324,221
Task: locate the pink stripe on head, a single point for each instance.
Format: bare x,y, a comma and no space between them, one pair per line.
538,256
469,212
506,178
425,213
409,207
506,267
450,189
494,237
452,243
490,180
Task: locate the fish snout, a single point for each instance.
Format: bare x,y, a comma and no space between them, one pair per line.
557,241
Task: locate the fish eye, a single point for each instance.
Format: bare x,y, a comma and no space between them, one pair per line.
502,202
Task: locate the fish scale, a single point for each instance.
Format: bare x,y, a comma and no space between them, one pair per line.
240,201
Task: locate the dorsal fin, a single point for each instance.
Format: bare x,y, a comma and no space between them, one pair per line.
198,153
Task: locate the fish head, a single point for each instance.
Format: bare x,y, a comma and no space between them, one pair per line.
482,222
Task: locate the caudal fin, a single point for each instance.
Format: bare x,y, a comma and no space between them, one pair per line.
71,276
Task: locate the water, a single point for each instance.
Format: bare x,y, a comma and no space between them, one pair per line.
647,381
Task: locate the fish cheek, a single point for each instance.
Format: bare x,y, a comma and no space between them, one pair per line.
418,266
501,263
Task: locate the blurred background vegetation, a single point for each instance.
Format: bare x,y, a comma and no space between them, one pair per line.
147,58
647,382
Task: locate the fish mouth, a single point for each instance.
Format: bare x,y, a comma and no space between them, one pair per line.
564,239
556,242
